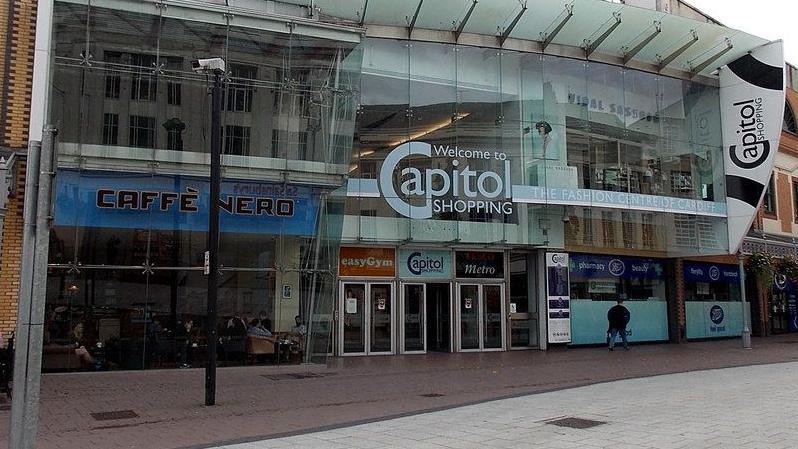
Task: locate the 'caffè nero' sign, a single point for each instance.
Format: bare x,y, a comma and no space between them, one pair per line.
102,199
423,192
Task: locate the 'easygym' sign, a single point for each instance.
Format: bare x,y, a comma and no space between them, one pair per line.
460,189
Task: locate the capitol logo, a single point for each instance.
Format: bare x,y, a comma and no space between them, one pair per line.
418,264
714,273
716,314
617,267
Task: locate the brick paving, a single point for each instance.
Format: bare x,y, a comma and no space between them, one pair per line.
256,402
743,407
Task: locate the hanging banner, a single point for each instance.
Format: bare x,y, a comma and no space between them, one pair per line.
751,112
558,298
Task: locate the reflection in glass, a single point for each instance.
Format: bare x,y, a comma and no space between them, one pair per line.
354,318
469,316
381,322
414,317
492,313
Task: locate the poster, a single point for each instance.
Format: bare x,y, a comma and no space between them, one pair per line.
558,297
351,305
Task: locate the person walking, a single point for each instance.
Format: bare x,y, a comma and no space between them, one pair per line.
618,317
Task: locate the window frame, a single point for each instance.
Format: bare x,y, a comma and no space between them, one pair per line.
769,201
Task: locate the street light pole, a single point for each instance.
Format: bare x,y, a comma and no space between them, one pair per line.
212,254
746,315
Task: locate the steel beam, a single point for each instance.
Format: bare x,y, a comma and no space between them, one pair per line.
695,70
363,16
415,17
463,22
630,52
663,62
590,47
512,25
547,38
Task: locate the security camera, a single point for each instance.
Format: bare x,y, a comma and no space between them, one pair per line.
208,65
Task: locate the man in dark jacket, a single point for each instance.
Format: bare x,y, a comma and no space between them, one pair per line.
618,317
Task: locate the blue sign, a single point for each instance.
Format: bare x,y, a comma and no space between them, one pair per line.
792,313
712,273
584,266
105,199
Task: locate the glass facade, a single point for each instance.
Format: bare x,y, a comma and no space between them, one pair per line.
329,136
595,155
126,279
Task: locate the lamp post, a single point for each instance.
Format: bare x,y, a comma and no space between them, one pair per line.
746,315
212,254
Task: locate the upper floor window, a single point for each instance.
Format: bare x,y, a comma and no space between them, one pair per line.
769,202
143,85
239,88
789,124
142,131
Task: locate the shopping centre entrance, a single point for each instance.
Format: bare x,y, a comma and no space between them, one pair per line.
426,318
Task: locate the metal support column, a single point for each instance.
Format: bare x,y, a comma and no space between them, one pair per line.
33,286
746,307
212,256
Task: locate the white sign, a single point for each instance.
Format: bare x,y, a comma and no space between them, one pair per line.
468,303
558,298
351,305
207,264
286,292
381,304
513,307
751,113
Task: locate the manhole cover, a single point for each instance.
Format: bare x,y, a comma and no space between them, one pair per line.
432,395
575,423
116,414
296,376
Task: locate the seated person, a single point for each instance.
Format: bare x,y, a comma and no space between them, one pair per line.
236,326
299,327
256,329
79,342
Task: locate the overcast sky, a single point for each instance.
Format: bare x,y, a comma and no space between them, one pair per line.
770,19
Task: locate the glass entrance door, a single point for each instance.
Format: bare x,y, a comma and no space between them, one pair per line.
468,308
353,318
413,318
366,318
480,311
381,324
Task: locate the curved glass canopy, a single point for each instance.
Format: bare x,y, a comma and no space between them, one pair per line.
601,27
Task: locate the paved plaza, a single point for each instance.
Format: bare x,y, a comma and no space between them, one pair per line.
745,407
163,409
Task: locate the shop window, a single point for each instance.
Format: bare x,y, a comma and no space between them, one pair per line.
608,228
240,89
647,229
769,202
142,131
587,228
236,140
143,85
685,230
110,129
629,230
174,93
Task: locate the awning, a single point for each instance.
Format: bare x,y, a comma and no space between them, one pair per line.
630,34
